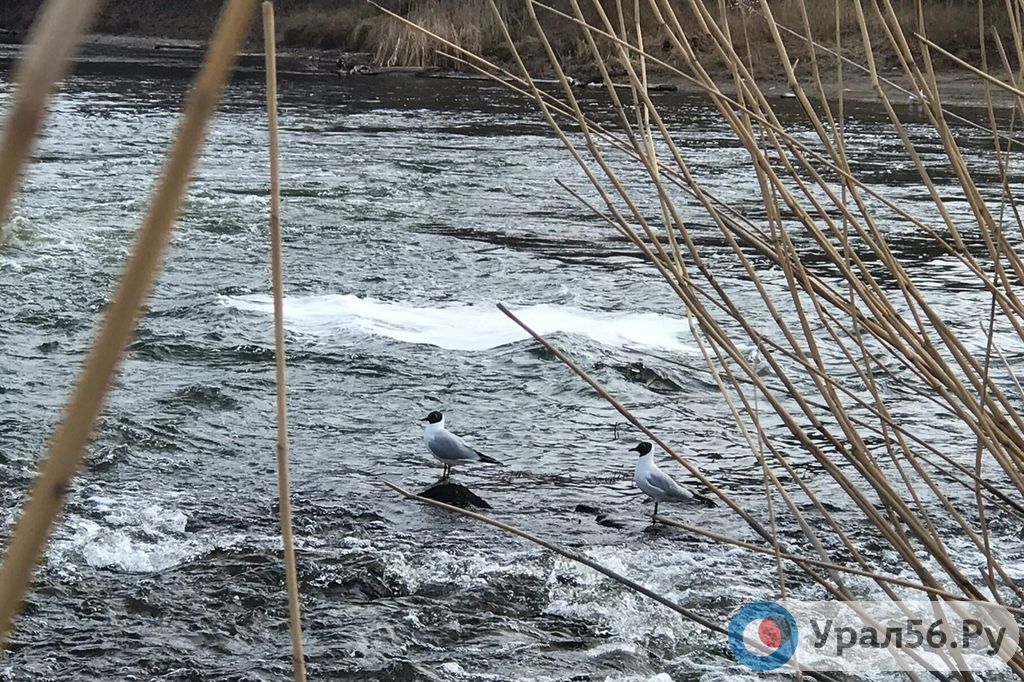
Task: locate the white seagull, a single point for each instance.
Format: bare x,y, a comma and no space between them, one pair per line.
447,447
658,485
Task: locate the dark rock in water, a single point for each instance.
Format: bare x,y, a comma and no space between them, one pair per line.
600,516
455,495
610,522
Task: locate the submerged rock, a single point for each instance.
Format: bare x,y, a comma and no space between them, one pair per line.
600,517
609,521
455,494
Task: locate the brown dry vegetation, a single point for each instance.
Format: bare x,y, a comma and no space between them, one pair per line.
362,28
470,24
356,26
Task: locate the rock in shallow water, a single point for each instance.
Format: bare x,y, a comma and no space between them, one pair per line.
455,494
600,517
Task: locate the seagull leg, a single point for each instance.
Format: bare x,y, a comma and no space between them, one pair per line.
655,510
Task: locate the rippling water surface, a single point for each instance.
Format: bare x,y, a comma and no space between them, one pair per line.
411,207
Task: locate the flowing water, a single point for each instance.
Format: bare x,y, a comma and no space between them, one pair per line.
411,207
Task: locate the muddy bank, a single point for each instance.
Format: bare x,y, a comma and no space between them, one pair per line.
349,38
357,26
156,53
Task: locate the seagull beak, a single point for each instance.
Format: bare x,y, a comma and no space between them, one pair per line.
636,449
425,419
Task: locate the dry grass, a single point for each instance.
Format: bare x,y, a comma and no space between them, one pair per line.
462,23
327,29
361,28
953,25
358,27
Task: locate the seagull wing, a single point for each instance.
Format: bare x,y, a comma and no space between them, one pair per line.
447,446
671,490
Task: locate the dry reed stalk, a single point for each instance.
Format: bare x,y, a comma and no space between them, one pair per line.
569,554
994,240
64,454
720,99
830,565
870,328
277,275
981,73
689,614
990,570
901,473
888,82
51,42
638,424
755,279
523,86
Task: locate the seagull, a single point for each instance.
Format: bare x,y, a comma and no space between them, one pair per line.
658,485
447,447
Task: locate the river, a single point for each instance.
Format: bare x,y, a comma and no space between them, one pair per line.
410,207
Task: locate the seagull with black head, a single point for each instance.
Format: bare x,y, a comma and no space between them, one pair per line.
448,448
658,485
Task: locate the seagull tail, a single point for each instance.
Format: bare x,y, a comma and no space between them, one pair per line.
704,500
485,458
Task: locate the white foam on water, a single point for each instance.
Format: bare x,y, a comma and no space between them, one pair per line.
580,594
134,535
467,327
151,518
104,547
416,571
14,231
453,668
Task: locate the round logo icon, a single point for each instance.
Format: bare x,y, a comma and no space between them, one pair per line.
763,635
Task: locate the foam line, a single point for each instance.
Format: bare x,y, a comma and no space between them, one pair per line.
467,327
